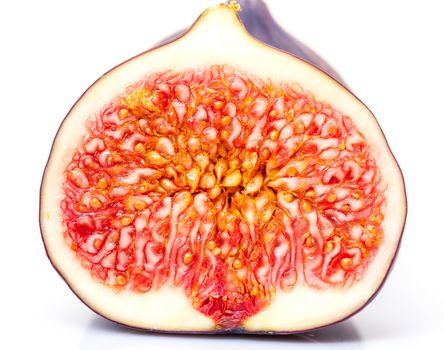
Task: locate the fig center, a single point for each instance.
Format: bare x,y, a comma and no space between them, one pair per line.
225,185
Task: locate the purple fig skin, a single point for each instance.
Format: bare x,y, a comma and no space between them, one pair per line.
258,21
256,17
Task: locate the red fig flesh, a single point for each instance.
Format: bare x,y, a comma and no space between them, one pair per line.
216,184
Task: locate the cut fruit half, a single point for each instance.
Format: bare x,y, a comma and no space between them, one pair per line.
216,184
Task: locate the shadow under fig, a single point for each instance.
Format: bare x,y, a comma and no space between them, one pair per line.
102,333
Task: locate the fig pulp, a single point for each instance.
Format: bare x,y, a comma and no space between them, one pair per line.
195,189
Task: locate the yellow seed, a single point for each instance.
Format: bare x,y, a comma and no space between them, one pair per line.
255,184
332,130
345,208
234,163
377,219
309,242
148,104
144,188
125,221
208,181
188,258
211,245
250,161
254,254
203,161
196,302
123,113
369,243
181,141
292,171
265,153
140,205
154,158
193,178
194,145
237,264
170,172
121,280
234,251
371,229
220,168
186,198
342,145
102,183
274,113
247,165
237,213
346,263
225,134
288,197
310,193
306,206
222,221
331,198
272,174
356,195
267,196
98,243
328,247
254,291
267,213
139,148
180,168
216,251
232,180
95,203
168,184
274,135
214,192
225,121
218,105
299,128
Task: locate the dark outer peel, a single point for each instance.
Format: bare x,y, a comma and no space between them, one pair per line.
258,21
251,22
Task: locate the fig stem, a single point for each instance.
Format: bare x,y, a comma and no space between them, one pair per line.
234,5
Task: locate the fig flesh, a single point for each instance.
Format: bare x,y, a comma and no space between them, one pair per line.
216,184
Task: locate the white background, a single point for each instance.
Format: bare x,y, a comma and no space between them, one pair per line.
392,56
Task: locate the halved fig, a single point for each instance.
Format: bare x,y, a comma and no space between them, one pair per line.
217,184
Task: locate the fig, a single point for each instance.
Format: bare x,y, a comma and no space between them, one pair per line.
217,184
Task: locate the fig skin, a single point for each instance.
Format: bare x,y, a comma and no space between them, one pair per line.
258,21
